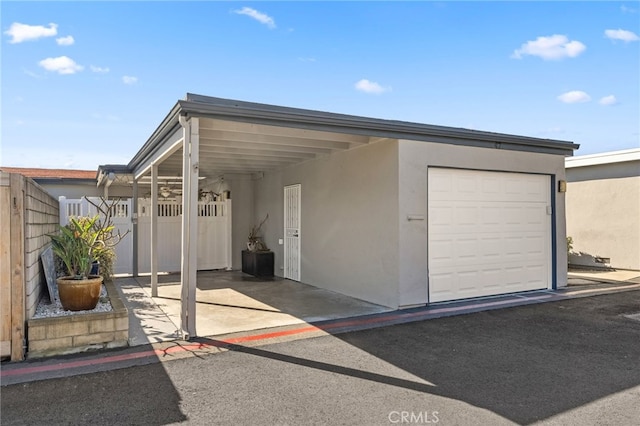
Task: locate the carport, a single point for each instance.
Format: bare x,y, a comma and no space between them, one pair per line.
394,213
212,138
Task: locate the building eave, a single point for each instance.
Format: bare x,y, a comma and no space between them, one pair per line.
203,106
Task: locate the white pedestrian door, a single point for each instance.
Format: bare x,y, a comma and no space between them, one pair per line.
292,232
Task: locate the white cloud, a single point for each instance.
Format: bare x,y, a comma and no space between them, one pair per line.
553,47
99,70
127,79
574,97
626,9
65,41
258,16
367,86
61,65
301,59
23,32
620,34
608,100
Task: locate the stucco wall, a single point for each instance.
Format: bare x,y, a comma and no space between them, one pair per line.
603,215
414,158
242,215
355,236
349,240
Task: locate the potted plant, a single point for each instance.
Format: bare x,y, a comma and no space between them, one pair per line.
257,260
77,244
254,241
86,249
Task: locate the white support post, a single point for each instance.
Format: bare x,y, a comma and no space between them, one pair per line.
134,226
227,214
189,258
154,230
63,209
84,207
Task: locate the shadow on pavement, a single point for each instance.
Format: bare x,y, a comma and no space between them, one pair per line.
526,363
115,397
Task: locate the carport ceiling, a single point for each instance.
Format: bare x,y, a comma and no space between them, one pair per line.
239,147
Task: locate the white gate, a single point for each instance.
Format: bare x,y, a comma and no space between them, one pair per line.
214,233
292,232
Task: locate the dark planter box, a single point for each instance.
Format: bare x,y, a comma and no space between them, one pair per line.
257,263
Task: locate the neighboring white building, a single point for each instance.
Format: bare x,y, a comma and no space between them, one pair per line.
603,209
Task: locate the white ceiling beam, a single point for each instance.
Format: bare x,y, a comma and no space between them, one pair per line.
239,161
272,140
257,152
263,129
266,147
231,156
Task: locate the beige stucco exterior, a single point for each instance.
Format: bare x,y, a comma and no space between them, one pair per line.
349,237
415,158
603,211
356,237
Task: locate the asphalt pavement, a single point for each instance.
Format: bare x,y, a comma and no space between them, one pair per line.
571,361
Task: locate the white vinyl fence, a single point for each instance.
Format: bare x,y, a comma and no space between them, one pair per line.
214,233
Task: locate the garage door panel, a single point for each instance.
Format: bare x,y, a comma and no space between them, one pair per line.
441,216
485,217
489,233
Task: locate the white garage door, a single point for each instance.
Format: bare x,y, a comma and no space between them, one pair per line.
489,233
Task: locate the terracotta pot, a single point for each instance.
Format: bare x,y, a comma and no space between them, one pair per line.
79,295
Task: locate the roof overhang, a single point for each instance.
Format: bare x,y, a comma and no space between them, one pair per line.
246,137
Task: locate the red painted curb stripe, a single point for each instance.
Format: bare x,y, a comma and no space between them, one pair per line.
75,364
381,319
270,335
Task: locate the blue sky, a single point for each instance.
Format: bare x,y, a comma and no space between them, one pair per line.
86,83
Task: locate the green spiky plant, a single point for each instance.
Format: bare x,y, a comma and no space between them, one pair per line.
85,240
77,244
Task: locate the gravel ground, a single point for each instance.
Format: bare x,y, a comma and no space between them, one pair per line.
48,310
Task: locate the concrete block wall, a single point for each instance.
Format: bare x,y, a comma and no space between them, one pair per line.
81,332
41,217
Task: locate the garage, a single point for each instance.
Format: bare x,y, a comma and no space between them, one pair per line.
489,233
393,213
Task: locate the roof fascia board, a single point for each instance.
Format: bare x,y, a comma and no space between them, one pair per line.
324,121
66,181
603,158
167,126
161,151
